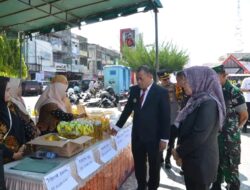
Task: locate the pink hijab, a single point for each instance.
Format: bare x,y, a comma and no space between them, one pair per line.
54,93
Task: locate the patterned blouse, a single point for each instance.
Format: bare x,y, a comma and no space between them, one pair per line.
12,139
61,115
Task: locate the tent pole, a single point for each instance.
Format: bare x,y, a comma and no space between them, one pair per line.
156,43
21,43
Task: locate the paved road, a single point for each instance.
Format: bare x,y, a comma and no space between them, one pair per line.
171,179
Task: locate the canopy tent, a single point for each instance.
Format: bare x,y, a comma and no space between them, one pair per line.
46,16
25,17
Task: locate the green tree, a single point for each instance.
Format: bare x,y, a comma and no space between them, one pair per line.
170,57
10,58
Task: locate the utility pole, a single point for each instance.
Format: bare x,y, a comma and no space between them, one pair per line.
238,30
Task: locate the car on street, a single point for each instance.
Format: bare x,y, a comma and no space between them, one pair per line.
31,87
44,84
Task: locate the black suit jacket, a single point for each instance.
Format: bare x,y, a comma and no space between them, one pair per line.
152,121
198,146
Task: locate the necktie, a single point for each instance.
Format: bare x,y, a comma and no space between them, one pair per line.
142,96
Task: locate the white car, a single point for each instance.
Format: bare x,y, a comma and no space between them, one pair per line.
44,84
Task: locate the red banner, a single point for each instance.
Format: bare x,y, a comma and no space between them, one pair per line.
127,37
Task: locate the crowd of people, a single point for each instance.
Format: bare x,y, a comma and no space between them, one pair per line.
203,110
16,125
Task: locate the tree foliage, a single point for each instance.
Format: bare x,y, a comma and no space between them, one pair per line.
10,58
170,57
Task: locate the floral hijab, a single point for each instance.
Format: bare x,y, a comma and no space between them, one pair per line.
205,85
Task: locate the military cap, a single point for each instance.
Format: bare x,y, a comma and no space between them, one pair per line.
163,74
219,69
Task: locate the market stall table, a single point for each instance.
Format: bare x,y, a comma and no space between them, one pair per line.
113,170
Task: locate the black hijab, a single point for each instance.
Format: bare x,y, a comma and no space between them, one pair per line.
4,114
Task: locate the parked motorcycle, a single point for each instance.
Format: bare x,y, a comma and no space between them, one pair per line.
104,99
75,95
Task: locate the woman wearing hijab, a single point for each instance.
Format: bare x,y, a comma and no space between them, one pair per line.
12,135
31,131
52,107
199,122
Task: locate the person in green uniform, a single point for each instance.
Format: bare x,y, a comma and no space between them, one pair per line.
229,136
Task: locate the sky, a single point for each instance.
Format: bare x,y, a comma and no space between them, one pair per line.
205,29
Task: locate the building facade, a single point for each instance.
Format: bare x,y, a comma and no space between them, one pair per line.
98,58
68,54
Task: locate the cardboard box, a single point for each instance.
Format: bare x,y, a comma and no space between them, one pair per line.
64,147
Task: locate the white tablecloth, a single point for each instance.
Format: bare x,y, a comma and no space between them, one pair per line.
22,180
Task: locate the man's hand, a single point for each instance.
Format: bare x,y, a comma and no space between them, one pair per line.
113,132
162,145
114,129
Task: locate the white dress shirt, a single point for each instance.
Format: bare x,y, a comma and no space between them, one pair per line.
144,98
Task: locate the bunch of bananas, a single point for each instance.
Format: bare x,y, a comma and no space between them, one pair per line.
74,129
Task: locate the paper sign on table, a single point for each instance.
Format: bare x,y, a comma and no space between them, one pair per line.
86,164
106,151
60,179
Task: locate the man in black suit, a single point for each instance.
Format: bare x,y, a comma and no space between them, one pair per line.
151,124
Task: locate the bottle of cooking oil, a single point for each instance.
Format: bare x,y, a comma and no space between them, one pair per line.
98,129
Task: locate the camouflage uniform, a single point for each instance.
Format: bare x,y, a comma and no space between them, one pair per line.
229,138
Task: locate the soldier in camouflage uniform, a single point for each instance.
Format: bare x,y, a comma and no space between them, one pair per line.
164,77
229,136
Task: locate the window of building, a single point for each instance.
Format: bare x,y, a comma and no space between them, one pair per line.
99,65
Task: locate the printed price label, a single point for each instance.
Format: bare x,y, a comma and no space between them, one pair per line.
60,179
106,151
86,164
